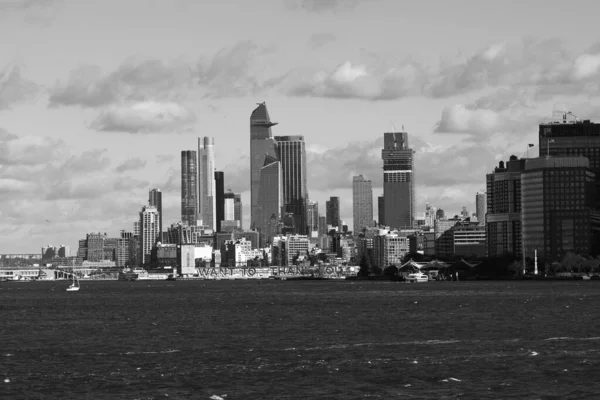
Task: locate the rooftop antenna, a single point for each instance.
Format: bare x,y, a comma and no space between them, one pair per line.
393,126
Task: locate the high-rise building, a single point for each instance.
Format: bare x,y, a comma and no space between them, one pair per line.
122,257
189,188
262,154
322,225
332,212
270,199
95,246
149,222
155,200
362,203
312,216
219,198
398,181
206,182
238,208
558,215
481,207
380,210
503,220
292,154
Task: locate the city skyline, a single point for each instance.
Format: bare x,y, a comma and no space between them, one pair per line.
87,131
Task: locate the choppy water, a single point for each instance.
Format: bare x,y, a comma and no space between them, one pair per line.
300,340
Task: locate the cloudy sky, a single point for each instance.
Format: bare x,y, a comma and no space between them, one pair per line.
98,98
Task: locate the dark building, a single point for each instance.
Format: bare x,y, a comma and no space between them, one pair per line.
189,188
440,214
332,212
291,152
503,218
558,215
219,197
155,200
398,181
380,210
237,209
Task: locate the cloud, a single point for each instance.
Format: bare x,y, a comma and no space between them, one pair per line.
131,165
318,6
164,158
30,10
318,40
135,80
145,117
6,136
237,71
462,119
358,81
14,88
28,150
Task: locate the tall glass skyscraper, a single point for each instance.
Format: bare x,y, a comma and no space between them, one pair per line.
263,159
219,198
270,198
206,182
362,203
292,154
155,200
332,212
189,188
398,181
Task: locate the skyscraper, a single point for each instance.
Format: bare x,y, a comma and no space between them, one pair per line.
380,210
155,200
237,202
362,203
189,188
262,145
270,199
292,154
398,181
149,223
206,182
219,198
481,207
332,212
312,216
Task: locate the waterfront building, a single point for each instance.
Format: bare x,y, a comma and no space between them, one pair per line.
481,207
110,249
134,260
252,236
155,200
64,251
189,187
503,217
292,155
332,212
219,198
295,248
262,154
123,242
206,182
444,238
469,239
362,203
236,253
558,213
398,181
389,248
149,222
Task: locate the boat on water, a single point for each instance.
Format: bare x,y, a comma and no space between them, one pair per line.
417,277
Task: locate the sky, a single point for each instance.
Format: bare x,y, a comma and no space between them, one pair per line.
97,99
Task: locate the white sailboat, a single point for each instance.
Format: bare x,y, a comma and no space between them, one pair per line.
75,285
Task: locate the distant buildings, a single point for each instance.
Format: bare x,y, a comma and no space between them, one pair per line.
481,207
332,212
189,187
155,200
362,203
398,182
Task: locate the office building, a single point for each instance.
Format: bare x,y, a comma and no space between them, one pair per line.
398,181
206,182
292,154
362,203
155,200
481,207
269,205
332,212
558,215
262,154
503,220
380,210
219,198
189,188
238,208
312,216
149,222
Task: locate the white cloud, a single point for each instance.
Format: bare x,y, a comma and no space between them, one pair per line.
145,117
14,88
460,119
586,66
130,165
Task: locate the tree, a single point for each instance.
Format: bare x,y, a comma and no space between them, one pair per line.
365,266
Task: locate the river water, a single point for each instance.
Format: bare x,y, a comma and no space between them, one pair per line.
300,340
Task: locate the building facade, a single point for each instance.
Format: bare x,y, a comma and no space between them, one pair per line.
503,217
207,209
219,198
292,154
149,222
481,207
189,188
155,200
332,212
270,199
398,181
362,203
